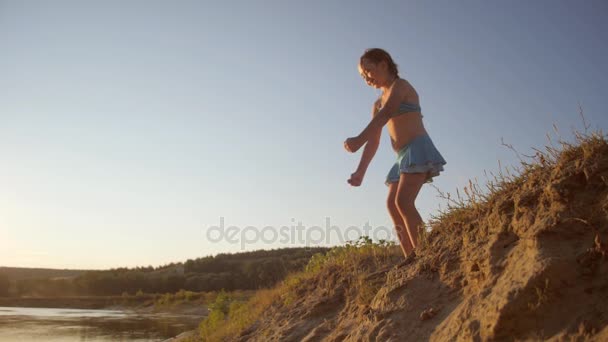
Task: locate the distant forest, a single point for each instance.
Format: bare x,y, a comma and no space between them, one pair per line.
240,271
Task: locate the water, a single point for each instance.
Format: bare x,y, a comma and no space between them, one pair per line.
66,325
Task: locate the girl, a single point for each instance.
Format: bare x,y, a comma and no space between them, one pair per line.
418,161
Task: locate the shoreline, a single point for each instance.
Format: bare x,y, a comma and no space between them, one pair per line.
135,305
75,302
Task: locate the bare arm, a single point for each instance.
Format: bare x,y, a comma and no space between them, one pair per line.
379,120
369,151
382,117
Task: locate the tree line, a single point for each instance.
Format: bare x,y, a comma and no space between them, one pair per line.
239,271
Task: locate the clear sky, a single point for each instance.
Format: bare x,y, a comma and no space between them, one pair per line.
129,128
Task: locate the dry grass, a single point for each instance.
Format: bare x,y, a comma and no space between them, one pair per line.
354,260
475,201
233,314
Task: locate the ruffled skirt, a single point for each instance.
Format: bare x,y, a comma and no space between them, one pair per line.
419,156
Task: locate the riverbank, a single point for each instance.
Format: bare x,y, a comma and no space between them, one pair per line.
79,302
141,304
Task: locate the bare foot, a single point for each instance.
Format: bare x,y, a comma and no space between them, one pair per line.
408,260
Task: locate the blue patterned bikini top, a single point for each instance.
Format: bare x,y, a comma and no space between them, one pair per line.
407,108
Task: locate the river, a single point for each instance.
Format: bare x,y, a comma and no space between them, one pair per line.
66,325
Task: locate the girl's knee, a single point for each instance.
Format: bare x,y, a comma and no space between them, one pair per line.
394,212
405,203
391,203
390,199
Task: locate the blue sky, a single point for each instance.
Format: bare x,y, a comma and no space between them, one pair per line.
128,129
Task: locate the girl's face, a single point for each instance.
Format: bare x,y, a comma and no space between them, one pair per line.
374,74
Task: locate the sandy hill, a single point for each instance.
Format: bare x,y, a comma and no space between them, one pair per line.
525,260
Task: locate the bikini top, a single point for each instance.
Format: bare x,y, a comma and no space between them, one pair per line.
407,108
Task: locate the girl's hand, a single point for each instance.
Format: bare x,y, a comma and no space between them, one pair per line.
353,144
356,178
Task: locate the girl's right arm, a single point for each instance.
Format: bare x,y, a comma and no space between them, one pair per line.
369,151
381,118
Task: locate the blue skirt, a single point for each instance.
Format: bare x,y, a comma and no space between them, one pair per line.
419,156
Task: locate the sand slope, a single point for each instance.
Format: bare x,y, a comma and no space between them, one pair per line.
526,263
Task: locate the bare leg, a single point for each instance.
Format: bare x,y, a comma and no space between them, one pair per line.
407,191
400,228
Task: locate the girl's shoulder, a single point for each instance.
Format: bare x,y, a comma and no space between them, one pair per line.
402,84
399,87
405,89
